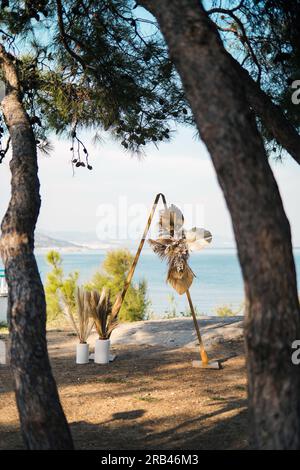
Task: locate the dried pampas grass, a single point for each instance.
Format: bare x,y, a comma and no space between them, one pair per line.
176,253
104,316
81,322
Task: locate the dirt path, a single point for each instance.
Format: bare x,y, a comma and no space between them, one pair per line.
149,397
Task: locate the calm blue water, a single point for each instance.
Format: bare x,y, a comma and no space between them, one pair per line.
218,281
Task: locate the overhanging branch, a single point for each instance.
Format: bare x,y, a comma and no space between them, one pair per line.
271,115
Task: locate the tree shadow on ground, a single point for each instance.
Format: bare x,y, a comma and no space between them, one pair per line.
119,433
125,432
149,397
10,437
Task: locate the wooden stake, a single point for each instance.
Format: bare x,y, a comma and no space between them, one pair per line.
204,363
120,298
203,354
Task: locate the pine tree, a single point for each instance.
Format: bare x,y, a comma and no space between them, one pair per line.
90,64
260,225
90,68
58,284
112,276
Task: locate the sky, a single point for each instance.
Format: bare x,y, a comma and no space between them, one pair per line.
112,201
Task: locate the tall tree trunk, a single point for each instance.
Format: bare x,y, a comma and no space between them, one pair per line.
43,423
217,97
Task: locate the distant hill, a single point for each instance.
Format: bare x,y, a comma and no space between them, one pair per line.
43,242
90,240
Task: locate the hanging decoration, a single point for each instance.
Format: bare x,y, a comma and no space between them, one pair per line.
174,245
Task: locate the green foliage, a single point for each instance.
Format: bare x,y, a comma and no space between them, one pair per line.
112,276
172,311
264,37
3,327
94,64
57,284
227,311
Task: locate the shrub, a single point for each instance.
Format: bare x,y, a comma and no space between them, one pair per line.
172,311
227,311
3,327
112,276
56,283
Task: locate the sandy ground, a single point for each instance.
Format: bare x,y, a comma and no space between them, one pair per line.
179,332
149,397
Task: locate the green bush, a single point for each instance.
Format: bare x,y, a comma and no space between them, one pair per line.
56,283
3,327
227,311
113,274
172,311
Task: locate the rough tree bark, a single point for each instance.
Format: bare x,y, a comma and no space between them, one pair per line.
227,126
43,423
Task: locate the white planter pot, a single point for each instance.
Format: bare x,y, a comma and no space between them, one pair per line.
82,353
102,351
3,308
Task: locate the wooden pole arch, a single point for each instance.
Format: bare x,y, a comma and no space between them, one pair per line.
205,363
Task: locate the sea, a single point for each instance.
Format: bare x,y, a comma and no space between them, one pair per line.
218,281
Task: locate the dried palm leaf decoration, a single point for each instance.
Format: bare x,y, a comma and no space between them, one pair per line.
170,221
81,320
176,253
101,311
174,244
